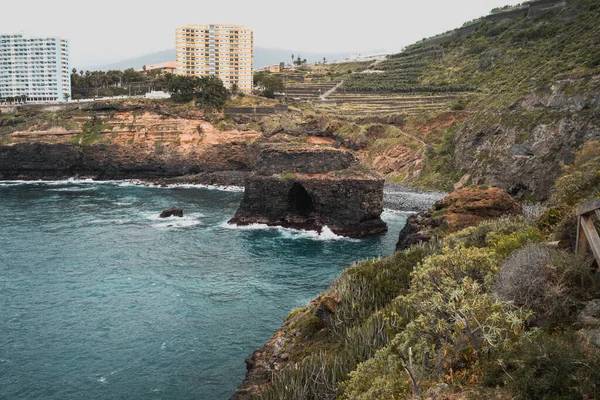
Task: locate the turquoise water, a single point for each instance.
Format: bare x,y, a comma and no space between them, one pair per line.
100,299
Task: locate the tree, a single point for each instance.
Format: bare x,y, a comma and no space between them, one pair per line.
212,91
183,88
207,90
67,96
324,60
292,58
268,84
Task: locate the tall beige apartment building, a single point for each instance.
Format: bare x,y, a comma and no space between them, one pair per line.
226,51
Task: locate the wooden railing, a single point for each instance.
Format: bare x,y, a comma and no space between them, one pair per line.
587,235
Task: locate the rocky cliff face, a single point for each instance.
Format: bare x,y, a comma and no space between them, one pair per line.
524,150
107,141
302,188
302,160
36,160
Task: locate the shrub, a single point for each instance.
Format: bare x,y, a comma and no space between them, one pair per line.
545,366
521,277
449,304
503,245
496,28
566,230
574,274
476,236
371,285
477,46
379,378
549,282
459,105
363,322
225,125
453,322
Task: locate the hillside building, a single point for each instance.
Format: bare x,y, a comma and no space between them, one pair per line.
226,51
275,68
160,68
36,69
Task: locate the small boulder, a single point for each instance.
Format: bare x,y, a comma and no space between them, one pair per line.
172,212
470,206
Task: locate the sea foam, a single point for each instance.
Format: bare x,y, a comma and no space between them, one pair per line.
120,183
176,222
289,233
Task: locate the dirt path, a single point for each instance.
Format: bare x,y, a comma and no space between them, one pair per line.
323,97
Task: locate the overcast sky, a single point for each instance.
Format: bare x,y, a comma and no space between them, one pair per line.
112,30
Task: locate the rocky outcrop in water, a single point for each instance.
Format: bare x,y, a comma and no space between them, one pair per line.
172,212
460,209
310,188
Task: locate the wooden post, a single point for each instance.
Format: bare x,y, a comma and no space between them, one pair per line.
581,243
591,234
587,235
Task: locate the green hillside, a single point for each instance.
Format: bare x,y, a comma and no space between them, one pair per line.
504,58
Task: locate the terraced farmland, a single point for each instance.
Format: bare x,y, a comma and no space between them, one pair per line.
365,104
309,91
395,85
402,73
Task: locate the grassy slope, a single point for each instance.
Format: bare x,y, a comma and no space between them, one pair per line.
507,58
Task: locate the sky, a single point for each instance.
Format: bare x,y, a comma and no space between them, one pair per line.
113,30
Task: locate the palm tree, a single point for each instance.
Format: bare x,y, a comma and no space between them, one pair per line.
292,59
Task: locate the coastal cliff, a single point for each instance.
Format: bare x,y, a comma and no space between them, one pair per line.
122,141
301,188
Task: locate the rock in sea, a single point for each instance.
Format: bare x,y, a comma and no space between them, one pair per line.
172,212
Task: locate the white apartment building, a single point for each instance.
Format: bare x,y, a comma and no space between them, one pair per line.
226,51
36,67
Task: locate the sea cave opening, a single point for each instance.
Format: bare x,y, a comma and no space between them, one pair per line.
300,201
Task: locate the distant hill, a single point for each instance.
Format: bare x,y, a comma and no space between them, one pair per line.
262,57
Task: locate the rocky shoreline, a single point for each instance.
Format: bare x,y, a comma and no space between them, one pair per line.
401,197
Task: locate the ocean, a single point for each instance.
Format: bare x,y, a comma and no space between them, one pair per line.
101,299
